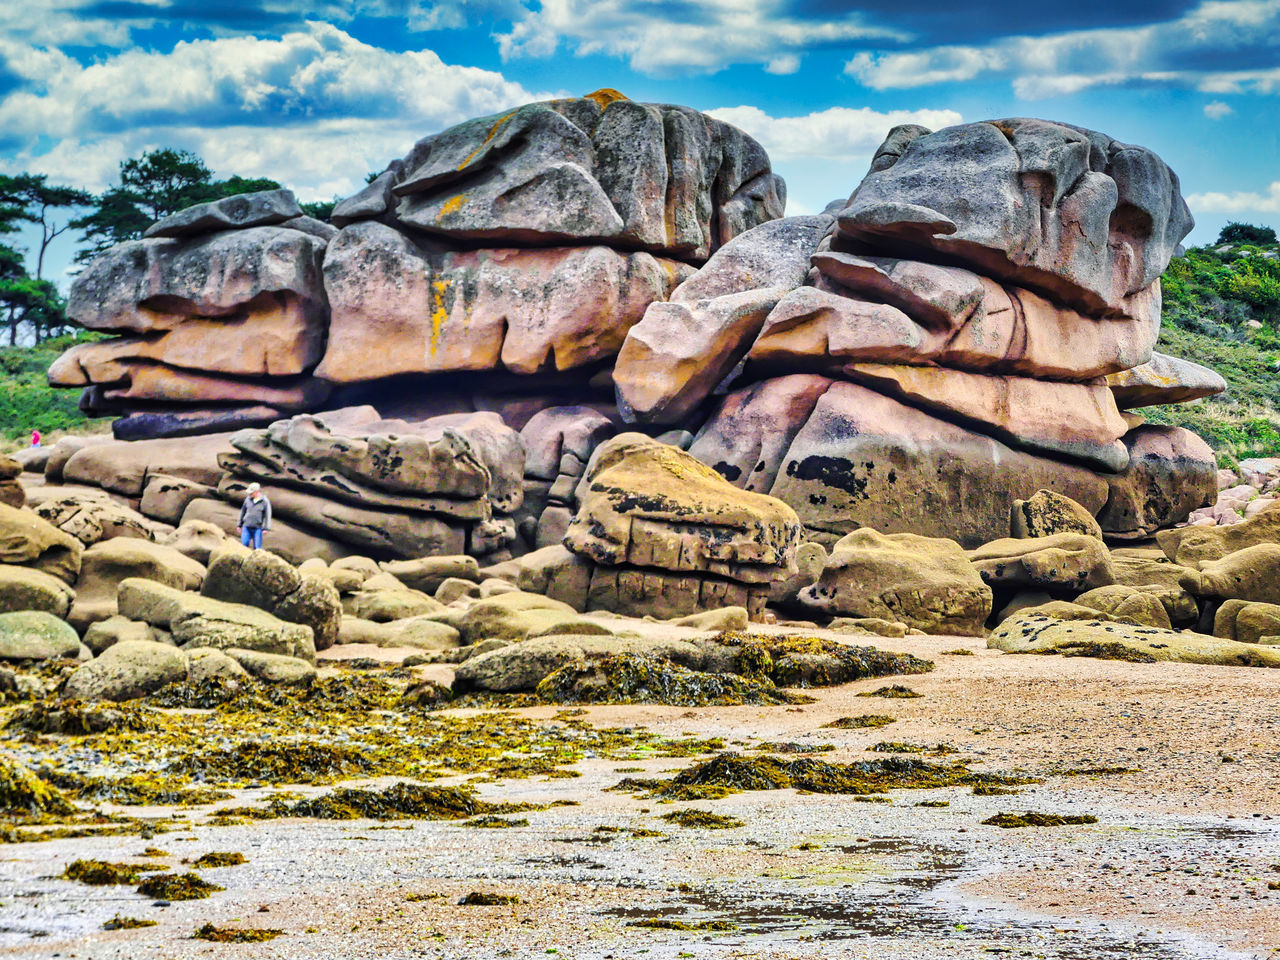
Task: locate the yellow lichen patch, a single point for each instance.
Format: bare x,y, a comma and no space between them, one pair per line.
452,205
605,96
439,313
493,132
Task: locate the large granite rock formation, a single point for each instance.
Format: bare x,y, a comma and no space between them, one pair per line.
433,373
963,332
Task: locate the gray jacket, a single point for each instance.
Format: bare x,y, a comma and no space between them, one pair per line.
256,513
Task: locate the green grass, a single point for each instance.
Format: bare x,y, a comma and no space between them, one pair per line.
27,402
1222,309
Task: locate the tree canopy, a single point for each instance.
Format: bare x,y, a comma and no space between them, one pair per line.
1246,233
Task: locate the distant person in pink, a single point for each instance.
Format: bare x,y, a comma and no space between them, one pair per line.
35,438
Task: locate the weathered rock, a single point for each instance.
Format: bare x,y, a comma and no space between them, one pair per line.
108,563
294,542
510,616
847,456
1192,546
1087,219
196,539
649,505
261,209
29,541
261,579
428,573
522,666
205,663
1046,513
64,450
400,308
36,635
923,582
1035,633
811,559
1247,622
716,620
1250,574
126,671
11,491
1171,472
635,592
273,667
92,518
124,467
1127,605
102,634
1163,379
198,621
1175,586
1064,561
24,588
165,498
384,606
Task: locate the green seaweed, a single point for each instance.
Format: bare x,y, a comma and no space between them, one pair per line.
865,721
1011,821
177,886
702,820
231,935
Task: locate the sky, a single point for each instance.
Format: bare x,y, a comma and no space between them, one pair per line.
317,93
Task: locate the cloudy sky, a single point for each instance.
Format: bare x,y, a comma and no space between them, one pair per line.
316,93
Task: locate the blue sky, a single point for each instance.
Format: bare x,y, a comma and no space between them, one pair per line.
315,94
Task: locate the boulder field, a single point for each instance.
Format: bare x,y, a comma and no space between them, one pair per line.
434,371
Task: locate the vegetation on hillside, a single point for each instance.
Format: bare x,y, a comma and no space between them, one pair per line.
27,402
1222,309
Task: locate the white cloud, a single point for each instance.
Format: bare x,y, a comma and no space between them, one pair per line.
840,133
1237,202
784,65
316,108
1070,61
1217,110
681,36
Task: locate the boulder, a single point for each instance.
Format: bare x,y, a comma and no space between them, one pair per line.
264,208
387,605
510,616
36,635
1176,587
91,519
558,573
847,456
924,582
107,563
1163,379
1245,621
204,663
124,467
22,588
165,498
1251,574
428,573
811,559
115,629
1192,546
30,541
1127,605
1064,561
1035,633
273,667
11,490
1171,472
196,540
1086,219
261,579
199,621
645,504
126,671
1046,513
292,541
522,666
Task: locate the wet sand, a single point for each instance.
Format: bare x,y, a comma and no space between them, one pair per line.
1177,866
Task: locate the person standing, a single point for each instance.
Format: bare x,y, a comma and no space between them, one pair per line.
255,517
35,438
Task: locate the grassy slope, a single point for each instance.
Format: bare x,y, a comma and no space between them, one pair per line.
1222,309
27,402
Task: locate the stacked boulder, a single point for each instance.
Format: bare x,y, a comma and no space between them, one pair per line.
974,324
219,316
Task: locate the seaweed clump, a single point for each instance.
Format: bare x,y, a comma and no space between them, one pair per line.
127,923
903,746
702,820
177,886
23,793
670,923
217,858
866,721
280,762
478,898
637,678
489,822
102,873
230,935
792,661
895,692
1011,821
400,801
73,718
816,776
